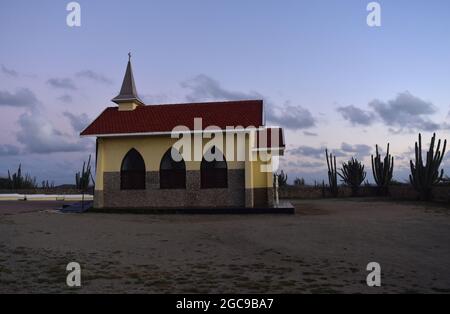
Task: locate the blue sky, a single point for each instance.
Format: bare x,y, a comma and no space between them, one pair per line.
326,76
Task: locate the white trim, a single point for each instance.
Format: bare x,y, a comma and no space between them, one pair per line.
128,100
182,132
173,132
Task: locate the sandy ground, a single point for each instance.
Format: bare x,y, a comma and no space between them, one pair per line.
324,248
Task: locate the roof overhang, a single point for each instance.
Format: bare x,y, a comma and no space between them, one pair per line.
210,131
126,100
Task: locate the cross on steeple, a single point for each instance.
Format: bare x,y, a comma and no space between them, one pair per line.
129,56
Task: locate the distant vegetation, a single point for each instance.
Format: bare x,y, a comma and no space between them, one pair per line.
425,172
18,181
47,185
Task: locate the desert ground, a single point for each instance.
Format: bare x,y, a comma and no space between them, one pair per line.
323,248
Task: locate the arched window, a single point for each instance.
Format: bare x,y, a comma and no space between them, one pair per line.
172,173
214,173
132,171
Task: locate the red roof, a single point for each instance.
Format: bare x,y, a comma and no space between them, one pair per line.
163,118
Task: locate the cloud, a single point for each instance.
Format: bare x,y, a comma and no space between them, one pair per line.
204,88
446,162
9,72
356,116
406,111
306,164
94,76
78,122
289,116
160,98
65,98
306,133
338,153
38,135
21,98
359,149
308,151
9,150
63,83
346,150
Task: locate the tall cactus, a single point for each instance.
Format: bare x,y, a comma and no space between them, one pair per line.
382,170
282,178
332,173
353,174
423,177
83,178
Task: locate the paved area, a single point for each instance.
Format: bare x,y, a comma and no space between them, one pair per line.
324,248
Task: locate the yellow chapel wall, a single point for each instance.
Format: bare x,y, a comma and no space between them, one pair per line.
112,150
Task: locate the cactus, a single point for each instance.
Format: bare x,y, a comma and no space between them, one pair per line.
323,188
382,171
83,178
424,177
353,174
332,174
17,181
46,185
282,178
299,182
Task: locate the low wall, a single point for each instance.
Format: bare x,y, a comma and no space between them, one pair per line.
46,197
45,191
403,192
311,192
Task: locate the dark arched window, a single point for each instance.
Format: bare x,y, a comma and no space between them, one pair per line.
214,173
172,173
132,171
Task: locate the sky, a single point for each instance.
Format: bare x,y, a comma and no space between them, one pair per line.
325,76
